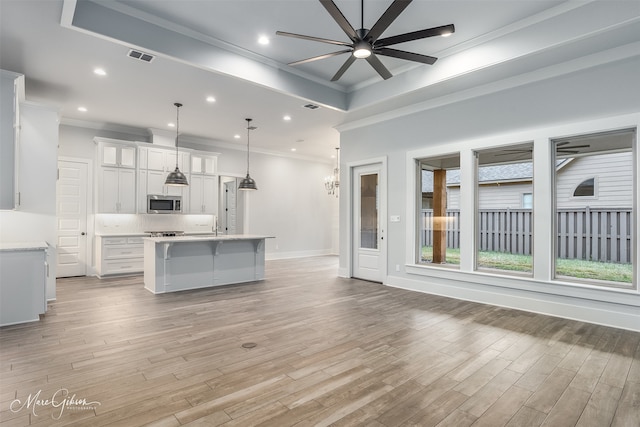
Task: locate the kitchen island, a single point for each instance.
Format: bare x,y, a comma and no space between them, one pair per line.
179,263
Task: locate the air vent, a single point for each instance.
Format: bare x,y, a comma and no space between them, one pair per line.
311,106
136,54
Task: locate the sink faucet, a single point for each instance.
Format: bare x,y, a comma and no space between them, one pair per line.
215,228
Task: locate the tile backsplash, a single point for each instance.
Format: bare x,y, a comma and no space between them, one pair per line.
131,223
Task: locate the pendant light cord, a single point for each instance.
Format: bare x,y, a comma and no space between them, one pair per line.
361,13
248,130
178,105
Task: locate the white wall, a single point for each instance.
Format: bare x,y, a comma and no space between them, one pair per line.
482,122
290,204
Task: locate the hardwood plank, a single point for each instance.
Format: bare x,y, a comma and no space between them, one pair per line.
331,351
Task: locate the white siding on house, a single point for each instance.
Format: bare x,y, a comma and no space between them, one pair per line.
505,195
614,181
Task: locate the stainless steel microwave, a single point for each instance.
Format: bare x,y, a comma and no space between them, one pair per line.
159,204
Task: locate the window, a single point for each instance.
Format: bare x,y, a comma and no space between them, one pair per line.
585,188
594,239
504,214
439,212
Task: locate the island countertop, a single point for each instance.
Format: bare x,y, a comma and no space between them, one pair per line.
196,238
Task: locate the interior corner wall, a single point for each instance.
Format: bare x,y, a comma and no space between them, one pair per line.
598,92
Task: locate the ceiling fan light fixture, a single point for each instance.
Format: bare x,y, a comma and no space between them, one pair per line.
446,33
362,50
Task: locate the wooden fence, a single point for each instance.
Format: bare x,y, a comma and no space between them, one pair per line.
595,234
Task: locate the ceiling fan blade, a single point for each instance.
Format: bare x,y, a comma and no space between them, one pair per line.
387,18
350,60
379,66
313,39
315,58
574,146
568,152
410,56
415,35
340,19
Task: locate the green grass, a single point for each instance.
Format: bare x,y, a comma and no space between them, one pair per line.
575,268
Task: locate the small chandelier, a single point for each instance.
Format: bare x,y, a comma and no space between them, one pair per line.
177,178
331,183
247,182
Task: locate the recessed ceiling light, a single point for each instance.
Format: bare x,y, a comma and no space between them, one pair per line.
211,99
264,40
333,156
82,109
171,125
293,149
286,118
236,136
100,72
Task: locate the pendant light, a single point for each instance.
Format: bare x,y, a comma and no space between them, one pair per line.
332,182
247,182
177,178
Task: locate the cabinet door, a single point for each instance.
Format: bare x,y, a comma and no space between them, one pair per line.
195,194
127,157
155,182
210,194
156,160
142,191
109,155
127,191
108,190
209,165
196,164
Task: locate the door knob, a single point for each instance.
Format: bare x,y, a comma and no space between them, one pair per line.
83,233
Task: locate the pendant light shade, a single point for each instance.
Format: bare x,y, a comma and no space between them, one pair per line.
177,178
247,182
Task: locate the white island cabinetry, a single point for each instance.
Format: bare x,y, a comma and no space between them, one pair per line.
190,262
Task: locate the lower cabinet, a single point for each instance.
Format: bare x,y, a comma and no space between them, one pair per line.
23,279
119,255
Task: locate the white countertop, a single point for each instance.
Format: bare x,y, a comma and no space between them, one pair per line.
194,238
24,246
186,233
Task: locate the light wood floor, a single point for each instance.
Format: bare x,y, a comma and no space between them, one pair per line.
329,351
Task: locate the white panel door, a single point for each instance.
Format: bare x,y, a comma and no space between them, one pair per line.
230,207
72,219
368,238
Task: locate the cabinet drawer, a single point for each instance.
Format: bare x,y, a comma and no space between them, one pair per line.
123,266
114,240
135,240
130,251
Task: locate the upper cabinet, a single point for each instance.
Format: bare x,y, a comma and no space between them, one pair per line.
11,94
118,154
162,159
204,164
116,176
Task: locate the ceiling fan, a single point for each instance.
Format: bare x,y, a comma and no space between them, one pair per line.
561,148
365,43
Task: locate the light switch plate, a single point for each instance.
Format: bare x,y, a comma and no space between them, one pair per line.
394,218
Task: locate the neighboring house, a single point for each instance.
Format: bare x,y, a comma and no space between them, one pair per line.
604,180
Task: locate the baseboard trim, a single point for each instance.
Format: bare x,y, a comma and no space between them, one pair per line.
567,307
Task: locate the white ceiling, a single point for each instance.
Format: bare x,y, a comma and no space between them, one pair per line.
210,48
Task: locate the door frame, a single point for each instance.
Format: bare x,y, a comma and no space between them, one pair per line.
90,269
347,192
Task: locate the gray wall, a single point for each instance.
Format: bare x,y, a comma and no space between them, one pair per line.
590,94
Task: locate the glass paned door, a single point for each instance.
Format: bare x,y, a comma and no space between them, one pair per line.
369,211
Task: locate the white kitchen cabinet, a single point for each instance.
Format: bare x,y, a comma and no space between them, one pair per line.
116,190
119,255
117,154
203,164
11,94
203,194
162,159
